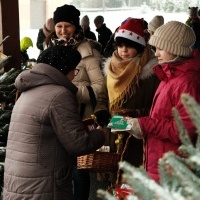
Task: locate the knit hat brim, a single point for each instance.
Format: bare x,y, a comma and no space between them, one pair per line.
67,13
170,47
175,38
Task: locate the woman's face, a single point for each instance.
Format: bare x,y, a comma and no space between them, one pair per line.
64,30
72,73
163,56
126,52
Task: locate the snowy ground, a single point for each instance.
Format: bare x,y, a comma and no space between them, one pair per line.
112,19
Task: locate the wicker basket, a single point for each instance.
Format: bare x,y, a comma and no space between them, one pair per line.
99,162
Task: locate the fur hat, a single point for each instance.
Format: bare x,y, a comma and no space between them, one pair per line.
99,19
67,13
156,22
131,32
48,27
63,58
175,38
85,20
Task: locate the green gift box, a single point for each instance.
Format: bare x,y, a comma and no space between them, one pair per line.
118,122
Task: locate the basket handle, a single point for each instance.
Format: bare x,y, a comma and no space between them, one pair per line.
121,158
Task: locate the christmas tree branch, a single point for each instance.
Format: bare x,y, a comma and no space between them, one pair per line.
135,177
193,108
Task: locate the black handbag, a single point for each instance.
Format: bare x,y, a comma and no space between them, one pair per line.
93,101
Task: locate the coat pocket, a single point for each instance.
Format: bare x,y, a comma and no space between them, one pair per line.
63,181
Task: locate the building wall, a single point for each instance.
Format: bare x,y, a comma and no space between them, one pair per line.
37,14
34,13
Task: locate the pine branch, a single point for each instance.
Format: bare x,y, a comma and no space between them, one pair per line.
4,40
185,177
5,61
183,135
132,175
193,108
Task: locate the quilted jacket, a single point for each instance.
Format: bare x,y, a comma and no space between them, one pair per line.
45,135
90,74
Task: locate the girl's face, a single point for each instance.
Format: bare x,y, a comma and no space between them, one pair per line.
126,52
64,30
163,56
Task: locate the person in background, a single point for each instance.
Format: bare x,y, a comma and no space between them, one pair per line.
46,130
129,83
68,32
104,33
179,72
48,28
156,22
198,13
194,22
85,25
25,43
110,46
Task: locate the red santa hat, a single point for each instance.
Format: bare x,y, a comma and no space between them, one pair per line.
133,30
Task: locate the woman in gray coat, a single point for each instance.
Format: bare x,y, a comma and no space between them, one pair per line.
46,131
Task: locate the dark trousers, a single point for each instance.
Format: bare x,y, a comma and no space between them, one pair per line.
81,181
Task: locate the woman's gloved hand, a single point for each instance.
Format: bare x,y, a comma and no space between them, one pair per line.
135,127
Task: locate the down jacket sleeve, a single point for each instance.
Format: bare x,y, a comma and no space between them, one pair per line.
90,73
69,128
161,123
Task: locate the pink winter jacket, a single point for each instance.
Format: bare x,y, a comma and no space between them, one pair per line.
160,130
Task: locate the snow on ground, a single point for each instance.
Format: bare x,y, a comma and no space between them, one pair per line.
112,19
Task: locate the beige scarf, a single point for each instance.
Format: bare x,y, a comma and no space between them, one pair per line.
123,76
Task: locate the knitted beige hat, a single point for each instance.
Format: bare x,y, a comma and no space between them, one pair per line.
156,22
175,38
48,27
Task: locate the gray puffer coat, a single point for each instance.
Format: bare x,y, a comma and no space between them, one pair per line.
45,135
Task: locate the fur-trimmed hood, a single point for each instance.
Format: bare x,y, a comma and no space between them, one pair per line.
147,70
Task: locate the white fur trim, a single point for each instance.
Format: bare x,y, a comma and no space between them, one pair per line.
131,36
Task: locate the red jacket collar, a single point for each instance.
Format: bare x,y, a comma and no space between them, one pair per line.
166,71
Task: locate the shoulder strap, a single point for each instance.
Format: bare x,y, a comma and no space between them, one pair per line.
93,100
